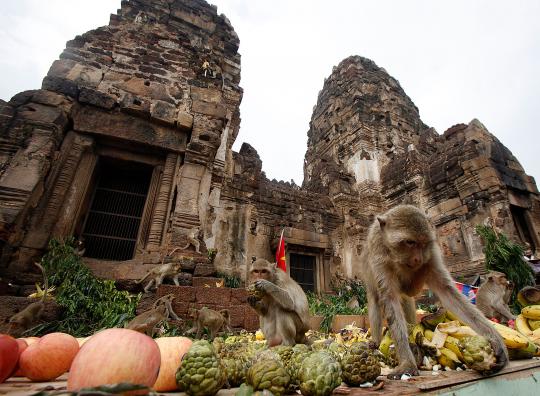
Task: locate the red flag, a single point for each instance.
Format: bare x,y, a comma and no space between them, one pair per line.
280,254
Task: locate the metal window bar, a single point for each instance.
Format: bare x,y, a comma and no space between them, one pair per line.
302,270
112,223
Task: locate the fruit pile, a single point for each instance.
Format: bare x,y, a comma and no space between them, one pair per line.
441,341
528,321
201,368
243,361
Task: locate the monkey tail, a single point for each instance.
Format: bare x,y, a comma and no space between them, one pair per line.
45,281
143,278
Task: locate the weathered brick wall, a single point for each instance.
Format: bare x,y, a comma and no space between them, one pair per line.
217,298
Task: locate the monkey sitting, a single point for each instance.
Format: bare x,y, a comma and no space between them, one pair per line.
210,319
493,296
280,302
160,272
400,256
24,319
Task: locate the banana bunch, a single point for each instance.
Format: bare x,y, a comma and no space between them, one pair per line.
528,324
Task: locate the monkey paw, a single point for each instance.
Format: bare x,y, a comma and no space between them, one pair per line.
252,300
403,369
263,285
501,354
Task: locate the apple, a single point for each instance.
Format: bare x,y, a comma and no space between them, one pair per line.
49,357
113,356
30,340
172,350
82,340
9,355
22,346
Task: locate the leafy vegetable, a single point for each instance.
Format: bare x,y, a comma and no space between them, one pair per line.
89,304
506,256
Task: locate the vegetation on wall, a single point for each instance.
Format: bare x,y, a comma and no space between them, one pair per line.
89,304
329,305
505,256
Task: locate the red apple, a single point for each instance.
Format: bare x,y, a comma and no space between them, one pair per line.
22,346
9,355
172,350
48,358
113,356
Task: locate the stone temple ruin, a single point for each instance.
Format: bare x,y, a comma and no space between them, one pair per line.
127,145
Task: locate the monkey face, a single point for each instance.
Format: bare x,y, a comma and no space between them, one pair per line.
262,269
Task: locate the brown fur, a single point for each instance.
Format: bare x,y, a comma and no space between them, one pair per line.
24,319
493,295
283,306
210,319
167,302
159,273
147,321
400,256
193,239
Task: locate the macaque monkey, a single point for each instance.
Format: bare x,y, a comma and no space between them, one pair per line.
147,321
280,302
32,313
193,239
492,297
400,256
166,300
159,273
212,320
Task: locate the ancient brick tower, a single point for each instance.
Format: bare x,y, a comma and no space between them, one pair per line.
128,145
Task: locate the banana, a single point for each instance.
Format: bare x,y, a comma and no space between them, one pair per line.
450,316
455,329
448,358
385,344
512,338
523,353
531,312
452,343
534,324
522,325
428,334
416,334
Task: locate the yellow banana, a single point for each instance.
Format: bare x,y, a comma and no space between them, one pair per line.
534,324
512,338
450,316
417,330
428,334
531,312
385,344
452,343
522,325
448,358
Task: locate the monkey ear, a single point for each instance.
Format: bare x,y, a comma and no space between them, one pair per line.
382,221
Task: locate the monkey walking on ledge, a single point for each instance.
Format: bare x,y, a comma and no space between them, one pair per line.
400,256
280,302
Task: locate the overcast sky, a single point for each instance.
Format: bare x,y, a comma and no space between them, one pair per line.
457,60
